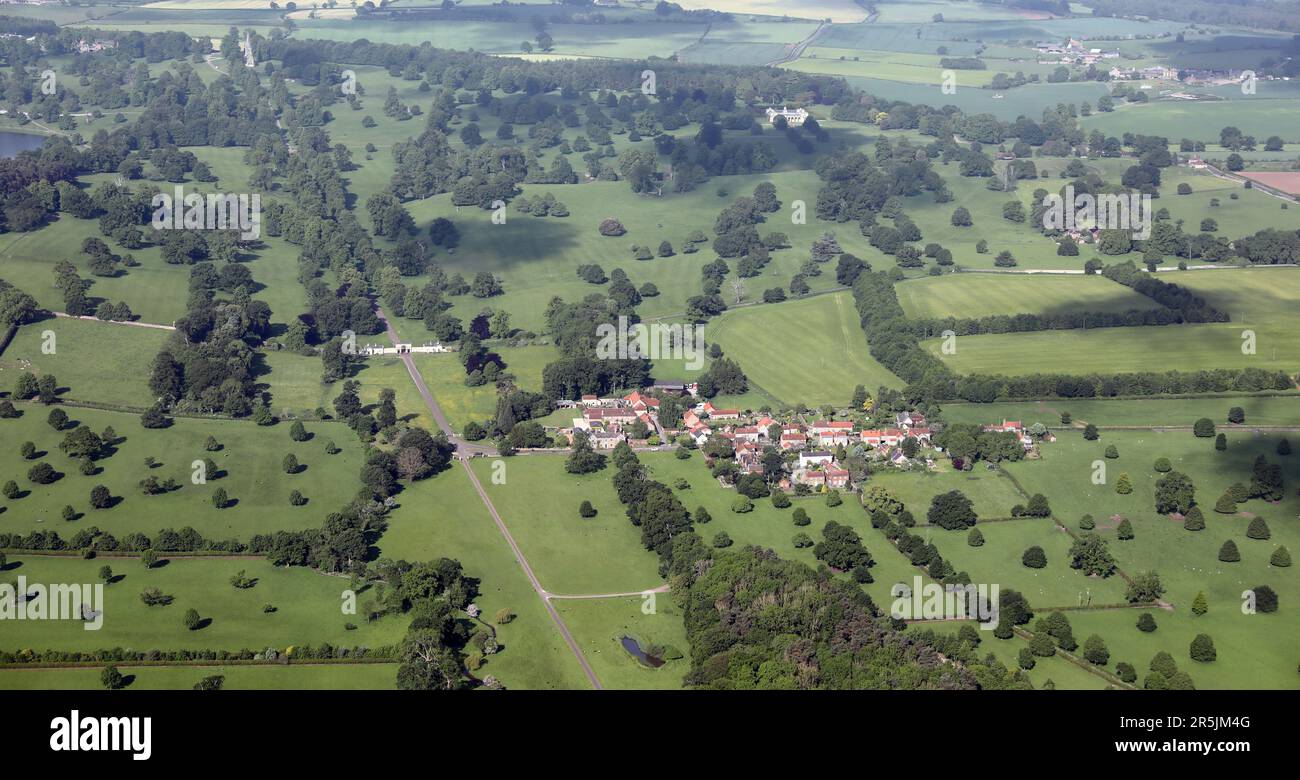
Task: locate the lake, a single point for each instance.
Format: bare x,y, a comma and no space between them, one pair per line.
13,143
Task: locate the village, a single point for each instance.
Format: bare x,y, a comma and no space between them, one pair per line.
812,455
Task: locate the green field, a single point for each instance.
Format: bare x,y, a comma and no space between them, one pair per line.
446,380
570,554
443,517
1260,410
294,382
308,607
811,350
1124,350
82,355
984,295
250,472
598,625
371,676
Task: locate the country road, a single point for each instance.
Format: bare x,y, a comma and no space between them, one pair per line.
463,456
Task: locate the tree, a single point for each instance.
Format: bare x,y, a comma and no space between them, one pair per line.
1095,651
1124,531
1202,649
1090,432
1145,587
1220,442
1034,558
1123,485
1146,623
1236,415
213,682
1226,505
1194,520
586,509
219,498
961,217
975,538
1281,557
149,558
1042,645
112,679
1258,529
106,574
1265,598
1174,493
290,464
1284,446
192,619
100,497
583,459
1228,553
1203,428
1199,605
951,511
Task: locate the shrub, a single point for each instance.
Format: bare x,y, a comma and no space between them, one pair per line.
1203,428
585,509
976,539
742,504
1202,649
1146,622
192,619
721,540
1228,553
1258,529
1124,531
1265,598
1034,558
1199,604
1125,672
802,540
1281,558
780,500
800,517
1163,465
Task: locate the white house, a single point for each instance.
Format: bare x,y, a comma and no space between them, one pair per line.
793,117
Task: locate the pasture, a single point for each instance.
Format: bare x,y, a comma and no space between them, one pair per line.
984,295
810,350
1260,410
598,625
1125,350
295,677
308,607
249,470
443,517
85,354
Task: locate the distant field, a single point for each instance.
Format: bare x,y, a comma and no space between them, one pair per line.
1200,120
1260,410
1288,182
1122,350
890,66
835,10
811,351
982,295
445,377
598,625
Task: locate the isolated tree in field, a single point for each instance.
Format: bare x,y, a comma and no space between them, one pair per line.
721,540
1226,505
149,558
800,517
1284,447
1281,557
57,419
1112,452
213,682
1237,415
1199,604
219,498
1087,523
106,574
1162,465
1095,651
1202,649
212,445
1146,623
1090,432
290,464
975,538
1229,553
11,490
100,497
296,498
1123,485
1146,586
1221,442
1265,598
585,509
1124,531
192,619
1258,529
951,511
1174,493
297,431
1125,672
1034,558
961,217
1194,520
1203,428
702,516
112,679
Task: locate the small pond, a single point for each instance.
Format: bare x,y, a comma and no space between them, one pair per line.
634,649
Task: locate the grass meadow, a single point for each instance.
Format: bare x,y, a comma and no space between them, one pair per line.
249,464
85,355
983,295
294,677
308,607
